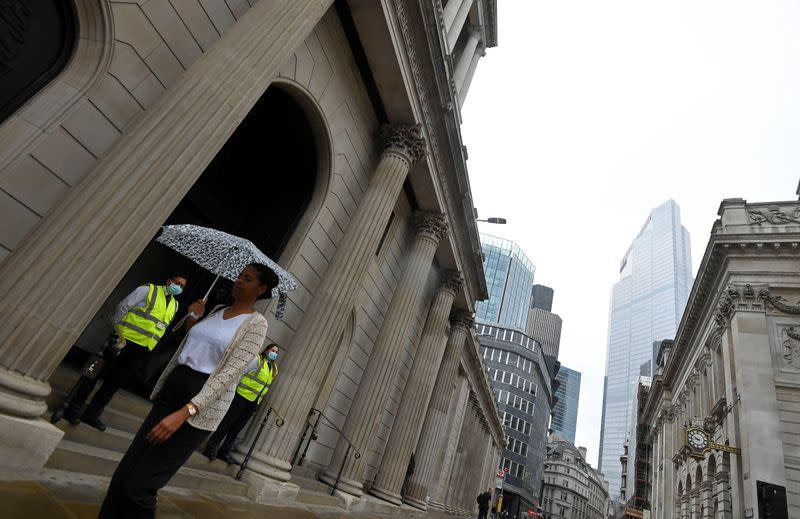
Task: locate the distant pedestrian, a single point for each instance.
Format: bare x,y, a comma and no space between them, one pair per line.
484,501
192,395
141,320
253,387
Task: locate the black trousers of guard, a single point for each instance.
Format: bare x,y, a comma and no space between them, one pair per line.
129,366
236,418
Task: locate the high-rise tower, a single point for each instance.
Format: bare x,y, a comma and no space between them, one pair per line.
646,305
509,278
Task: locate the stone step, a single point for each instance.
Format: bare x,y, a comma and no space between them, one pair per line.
309,483
82,458
315,498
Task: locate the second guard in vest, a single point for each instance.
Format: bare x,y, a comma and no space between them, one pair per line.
141,320
253,387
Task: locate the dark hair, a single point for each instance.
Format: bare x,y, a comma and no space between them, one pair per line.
266,276
179,275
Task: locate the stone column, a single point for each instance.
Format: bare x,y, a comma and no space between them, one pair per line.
310,352
450,11
417,394
466,479
55,281
430,447
458,23
438,488
464,60
724,505
464,87
707,501
372,394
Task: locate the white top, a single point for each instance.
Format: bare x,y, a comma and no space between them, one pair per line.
208,340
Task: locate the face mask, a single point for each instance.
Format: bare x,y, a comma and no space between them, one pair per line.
174,290
271,356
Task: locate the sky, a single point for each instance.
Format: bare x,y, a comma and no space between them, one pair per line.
588,114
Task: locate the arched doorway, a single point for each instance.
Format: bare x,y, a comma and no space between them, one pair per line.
259,186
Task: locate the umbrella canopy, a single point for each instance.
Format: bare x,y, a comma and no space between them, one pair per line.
224,255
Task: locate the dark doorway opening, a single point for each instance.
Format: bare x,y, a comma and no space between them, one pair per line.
258,186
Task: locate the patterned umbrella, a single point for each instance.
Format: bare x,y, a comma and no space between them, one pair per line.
224,255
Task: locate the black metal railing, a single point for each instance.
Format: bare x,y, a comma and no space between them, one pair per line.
279,421
315,416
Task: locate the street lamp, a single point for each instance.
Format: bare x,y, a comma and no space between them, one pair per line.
499,221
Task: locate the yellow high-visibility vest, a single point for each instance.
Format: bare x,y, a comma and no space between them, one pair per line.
254,381
145,325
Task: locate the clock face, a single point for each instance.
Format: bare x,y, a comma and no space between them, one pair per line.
697,439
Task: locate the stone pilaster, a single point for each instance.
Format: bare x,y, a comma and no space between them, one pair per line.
430,447
461,478
310,353
463,88
372,394
441,478
56,280
417,394
723,495
464,61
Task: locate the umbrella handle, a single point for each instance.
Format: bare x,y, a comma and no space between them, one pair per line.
205,297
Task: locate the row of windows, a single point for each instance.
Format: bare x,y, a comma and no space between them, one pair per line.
506,335
517,446
514,468
508,357
498,375
517,402
518,424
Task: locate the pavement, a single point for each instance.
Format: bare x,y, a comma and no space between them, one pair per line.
66,495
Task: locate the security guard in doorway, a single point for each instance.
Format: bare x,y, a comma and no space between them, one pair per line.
254,385
141,320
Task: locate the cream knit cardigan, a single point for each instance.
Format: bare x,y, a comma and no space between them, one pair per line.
215,398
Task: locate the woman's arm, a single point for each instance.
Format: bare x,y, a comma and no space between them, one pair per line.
198,308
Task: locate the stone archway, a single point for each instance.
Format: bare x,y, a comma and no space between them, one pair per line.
266,184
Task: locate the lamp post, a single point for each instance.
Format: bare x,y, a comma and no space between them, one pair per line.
499,221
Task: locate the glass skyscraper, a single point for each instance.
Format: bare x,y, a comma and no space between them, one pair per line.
565,413
509,278
646,305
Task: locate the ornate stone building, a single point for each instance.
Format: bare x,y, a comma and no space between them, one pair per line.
723,405
572,489
328,133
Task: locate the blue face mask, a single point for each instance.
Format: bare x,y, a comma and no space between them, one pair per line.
272,356
174,290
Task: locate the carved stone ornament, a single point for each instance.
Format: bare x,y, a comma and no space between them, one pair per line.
790,340
452,280
433,225
740,297
462,318
405,139
779,303
774,215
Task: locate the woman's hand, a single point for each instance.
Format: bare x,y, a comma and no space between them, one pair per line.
198,308
164,429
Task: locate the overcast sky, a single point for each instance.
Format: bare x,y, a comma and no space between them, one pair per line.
588,114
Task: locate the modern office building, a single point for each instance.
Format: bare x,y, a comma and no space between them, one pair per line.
509,278
572,489
523,387
646,305
565,411
542,297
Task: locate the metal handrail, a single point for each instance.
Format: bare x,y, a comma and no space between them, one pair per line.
313,436
279,421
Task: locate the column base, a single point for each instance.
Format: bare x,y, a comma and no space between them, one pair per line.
264,465
262,489
27,443
346,485
416,503
386,495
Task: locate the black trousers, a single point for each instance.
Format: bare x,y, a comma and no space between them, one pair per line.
129,366
231,425
146,468
482,513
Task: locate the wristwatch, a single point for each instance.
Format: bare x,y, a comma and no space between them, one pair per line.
192,409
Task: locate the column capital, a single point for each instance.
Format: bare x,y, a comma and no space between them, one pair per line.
452,281
405,139
432,225
462,318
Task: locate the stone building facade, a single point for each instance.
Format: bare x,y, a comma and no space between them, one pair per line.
572,489
731,375
328,133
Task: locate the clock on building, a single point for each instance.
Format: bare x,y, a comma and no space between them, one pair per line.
698,442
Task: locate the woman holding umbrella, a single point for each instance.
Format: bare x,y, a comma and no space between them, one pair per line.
192,395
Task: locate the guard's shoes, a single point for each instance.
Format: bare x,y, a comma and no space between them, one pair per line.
94,421
210,454
72,417
227,458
